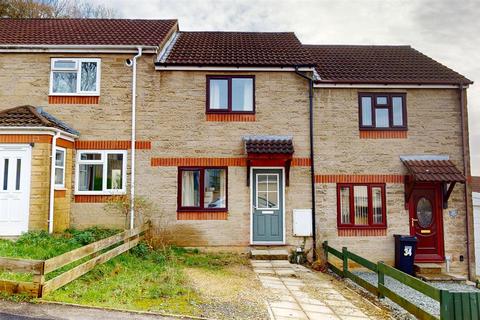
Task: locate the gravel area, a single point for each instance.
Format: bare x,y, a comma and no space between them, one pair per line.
421,300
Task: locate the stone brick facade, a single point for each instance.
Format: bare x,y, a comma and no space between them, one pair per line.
434,127
171,118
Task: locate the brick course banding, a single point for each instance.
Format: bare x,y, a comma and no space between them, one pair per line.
111,145
73,99
383,134
202,215
359,178
229,162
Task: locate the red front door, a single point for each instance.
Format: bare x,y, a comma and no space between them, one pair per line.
426,222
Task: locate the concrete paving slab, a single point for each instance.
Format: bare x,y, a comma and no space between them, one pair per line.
285,272
297,314
285,305
353,318
264,271
321,316
316,308
311,301
349,312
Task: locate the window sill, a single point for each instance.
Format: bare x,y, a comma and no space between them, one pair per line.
362,231
231,117
383,134
73,99
97,198
202,215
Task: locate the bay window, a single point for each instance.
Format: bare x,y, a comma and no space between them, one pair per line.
101,172
202,189
74,76
230,94
361,206
382,111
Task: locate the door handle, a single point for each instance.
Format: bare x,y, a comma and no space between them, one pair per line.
413,221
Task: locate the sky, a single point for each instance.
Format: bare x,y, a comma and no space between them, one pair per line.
444,30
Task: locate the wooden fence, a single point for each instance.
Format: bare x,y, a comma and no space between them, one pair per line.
114,246
453,305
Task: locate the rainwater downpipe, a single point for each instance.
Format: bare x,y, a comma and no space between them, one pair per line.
465,167
52,182
312,160
134,110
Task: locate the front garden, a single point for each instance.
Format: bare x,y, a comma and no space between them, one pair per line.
170,280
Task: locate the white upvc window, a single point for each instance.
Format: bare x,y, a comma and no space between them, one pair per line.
101,172
60,154
75,76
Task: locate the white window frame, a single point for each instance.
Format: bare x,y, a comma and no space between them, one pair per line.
278,191
78,69
103,161
60,185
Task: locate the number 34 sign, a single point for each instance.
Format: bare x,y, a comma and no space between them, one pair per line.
407,251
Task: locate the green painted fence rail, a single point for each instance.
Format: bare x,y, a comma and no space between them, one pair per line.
453,305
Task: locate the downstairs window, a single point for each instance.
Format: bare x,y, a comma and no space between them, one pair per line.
101,172
202,189
361,206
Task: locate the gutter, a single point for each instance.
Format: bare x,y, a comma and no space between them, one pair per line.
52,182
77,48
48,130
312,159
162,66
133,142
465,169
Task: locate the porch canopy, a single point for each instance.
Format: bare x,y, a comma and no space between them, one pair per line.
269,151
431,169
29,117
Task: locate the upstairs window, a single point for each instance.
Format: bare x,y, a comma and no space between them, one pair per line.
361,206
381,111
75,76
101,172
233,94
202,189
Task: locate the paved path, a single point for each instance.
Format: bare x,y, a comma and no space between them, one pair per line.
289,301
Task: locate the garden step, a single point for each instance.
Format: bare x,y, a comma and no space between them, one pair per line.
440,277
427,268
277,254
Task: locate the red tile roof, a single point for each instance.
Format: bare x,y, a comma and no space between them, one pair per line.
434,171
84,31
29,116
269,144
237,49
476,184
380,64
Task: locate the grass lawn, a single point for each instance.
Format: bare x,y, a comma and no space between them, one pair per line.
40,245
173,280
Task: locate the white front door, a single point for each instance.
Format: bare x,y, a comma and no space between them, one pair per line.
15,162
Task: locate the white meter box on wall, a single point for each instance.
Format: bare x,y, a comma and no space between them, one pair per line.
302,222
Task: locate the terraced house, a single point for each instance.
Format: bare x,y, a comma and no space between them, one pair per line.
240,139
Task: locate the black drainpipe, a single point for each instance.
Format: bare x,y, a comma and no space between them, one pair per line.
465,167
312,160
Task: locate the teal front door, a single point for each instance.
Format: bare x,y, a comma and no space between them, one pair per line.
267,202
